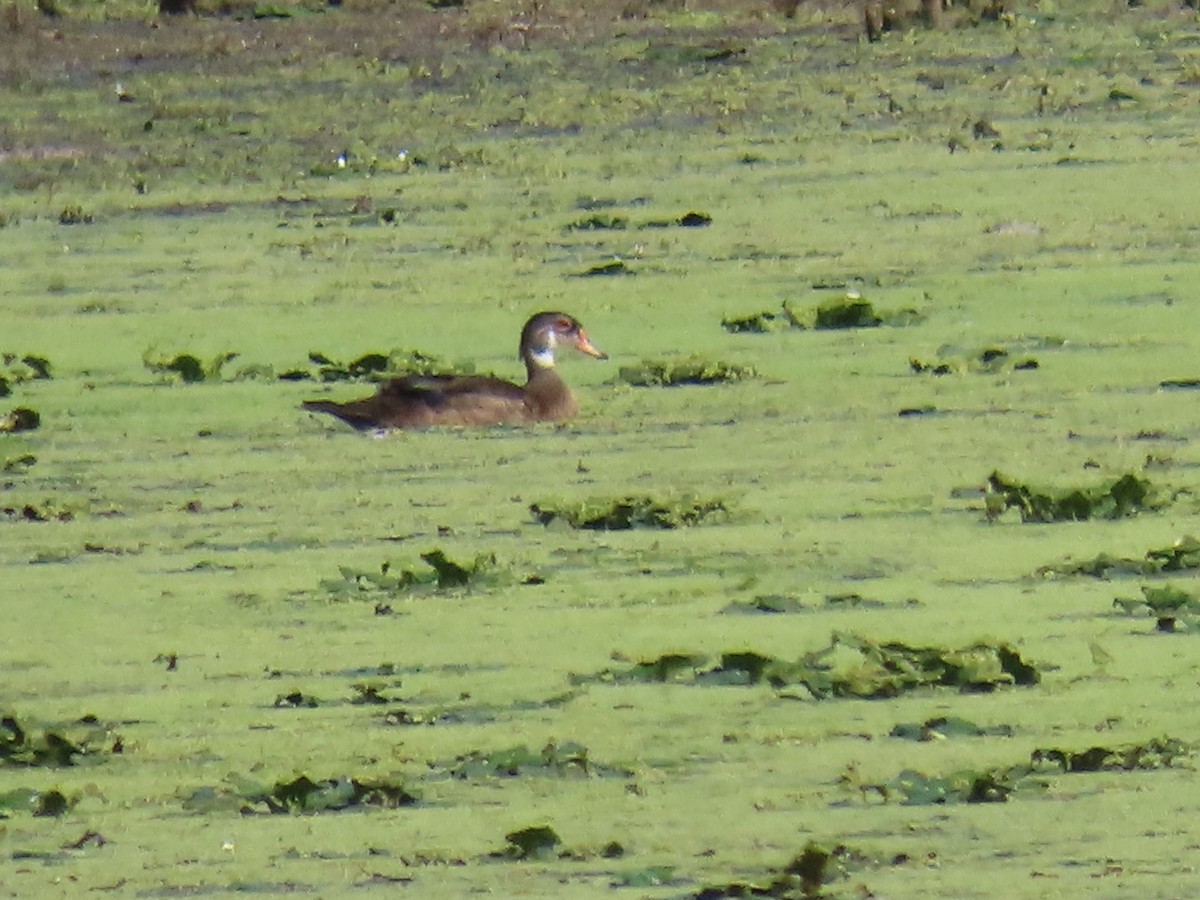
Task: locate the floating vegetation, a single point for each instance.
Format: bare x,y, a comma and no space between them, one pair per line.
1180,384
45,513
988,361
18,368
851,666
1170,606
296,700
300,795
375,367
913,788
850,311
20,463
691,370
944,727
1126,496
599,222
1181,556
602,514
534,842
74,215
52,803
566,760
805,875
758,323
1156,753
604,269
54,746
773,604
406,716
188,366
22,418
687,220
443,574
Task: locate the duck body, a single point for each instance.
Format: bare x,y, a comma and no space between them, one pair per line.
421,401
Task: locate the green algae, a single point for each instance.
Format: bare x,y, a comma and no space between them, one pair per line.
624,513
1001,784
443,574
1180,556
988,361
532,842
20,418
374,366
222,217
847,312
1156,753
38,803
806,875
189,367
563,760
850,667
297,795
692,370
22,367
23,744
1126,496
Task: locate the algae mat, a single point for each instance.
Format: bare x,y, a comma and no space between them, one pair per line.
772,636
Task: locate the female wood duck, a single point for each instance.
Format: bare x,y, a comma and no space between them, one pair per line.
423,401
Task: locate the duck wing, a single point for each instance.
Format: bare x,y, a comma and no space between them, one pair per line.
424,401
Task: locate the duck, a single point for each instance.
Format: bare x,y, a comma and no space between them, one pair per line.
479,401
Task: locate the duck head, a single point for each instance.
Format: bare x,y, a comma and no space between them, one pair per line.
549,330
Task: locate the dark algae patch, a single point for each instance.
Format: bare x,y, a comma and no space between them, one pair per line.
850,667
441,575
999,785
636,511
943,727
1156,753
189,367
374,366
1126,496
21,418
299,795
844,313
607,269
1173,608
17,367
38,803
531,842
27,745
692,370
1181,556
912,788
806,875
988,361
561,760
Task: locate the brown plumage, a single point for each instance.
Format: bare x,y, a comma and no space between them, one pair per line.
419,401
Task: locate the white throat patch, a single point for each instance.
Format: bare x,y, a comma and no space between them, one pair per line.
543,357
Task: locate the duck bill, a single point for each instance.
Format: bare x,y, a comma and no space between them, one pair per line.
586,346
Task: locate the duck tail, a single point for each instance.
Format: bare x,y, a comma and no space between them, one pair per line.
343,411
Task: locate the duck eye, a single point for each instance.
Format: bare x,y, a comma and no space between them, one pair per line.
564,325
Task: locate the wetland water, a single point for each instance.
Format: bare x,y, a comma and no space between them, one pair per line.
233,658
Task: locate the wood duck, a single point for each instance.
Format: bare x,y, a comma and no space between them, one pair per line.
424,401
